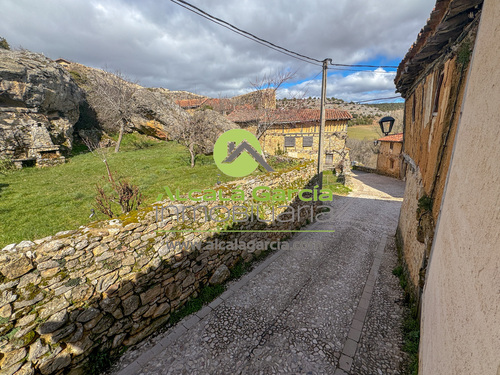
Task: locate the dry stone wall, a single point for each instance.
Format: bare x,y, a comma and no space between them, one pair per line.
112,283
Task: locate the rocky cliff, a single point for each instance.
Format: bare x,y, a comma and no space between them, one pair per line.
45,106
39,106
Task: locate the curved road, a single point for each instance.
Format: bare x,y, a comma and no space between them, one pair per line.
329,309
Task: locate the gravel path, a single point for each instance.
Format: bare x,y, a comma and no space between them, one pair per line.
330,309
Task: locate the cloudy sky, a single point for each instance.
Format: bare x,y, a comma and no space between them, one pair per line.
161,44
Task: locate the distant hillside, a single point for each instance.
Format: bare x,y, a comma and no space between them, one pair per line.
387,107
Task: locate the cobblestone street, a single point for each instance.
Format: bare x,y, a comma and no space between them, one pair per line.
330,310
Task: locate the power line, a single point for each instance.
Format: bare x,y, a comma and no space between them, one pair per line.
366,66
359,70
245,34
264,42
374,100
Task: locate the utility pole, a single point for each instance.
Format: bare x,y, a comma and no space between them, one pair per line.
322,124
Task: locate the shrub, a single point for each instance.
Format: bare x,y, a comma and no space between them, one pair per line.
123,193
6,164
4,44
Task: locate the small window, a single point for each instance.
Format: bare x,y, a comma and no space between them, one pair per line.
289,141
329,159
392,164
391,145
307,142
437,94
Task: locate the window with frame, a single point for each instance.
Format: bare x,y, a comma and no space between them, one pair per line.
329,159
289,141
307,141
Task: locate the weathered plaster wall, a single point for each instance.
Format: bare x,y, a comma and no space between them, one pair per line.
115,282
461,301
428,141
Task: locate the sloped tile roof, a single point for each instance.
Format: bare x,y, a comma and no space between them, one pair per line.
447,21
286,116
392,138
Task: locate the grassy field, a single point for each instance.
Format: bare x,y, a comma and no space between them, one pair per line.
364,132
39,202
35,203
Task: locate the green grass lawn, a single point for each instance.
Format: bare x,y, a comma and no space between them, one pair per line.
35,203
364,132
330,182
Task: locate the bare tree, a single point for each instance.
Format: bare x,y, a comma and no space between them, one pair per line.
201,132
271,82
91,140
266,87
125,194
111,95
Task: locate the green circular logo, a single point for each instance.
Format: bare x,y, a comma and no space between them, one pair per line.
237,153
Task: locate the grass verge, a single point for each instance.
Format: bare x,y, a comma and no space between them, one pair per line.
330,181
411,324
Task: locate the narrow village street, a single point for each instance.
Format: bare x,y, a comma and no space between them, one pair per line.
330,310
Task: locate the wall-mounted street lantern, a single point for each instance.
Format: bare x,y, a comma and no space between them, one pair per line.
386,124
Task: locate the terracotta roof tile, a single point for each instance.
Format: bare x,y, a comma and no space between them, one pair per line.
392,138
446,22
286,116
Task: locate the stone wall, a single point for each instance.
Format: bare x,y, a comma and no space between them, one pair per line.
265,98
110,284
389,159
414,252
273,143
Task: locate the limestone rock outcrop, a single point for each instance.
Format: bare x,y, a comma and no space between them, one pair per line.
155,114
39,106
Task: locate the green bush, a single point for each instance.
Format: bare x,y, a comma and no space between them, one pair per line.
4,44
6,165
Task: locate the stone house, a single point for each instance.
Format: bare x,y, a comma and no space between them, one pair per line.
448,228
295,132
63,62
254,100
389,156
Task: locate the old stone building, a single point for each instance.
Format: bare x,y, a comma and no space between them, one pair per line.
432,79
260,99
389,156
448,227
295,132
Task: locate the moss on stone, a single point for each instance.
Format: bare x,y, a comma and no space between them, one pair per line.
29,292
28,338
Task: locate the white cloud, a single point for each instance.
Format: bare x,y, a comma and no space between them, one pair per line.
162,44
357,86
